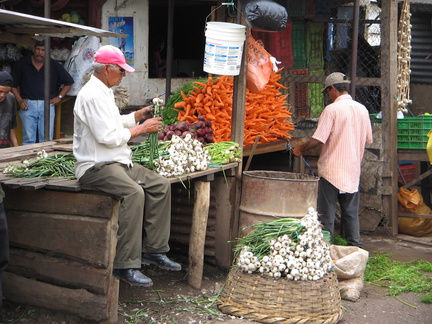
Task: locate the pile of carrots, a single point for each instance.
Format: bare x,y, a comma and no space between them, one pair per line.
266,113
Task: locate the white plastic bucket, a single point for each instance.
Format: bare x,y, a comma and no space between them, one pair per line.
223,48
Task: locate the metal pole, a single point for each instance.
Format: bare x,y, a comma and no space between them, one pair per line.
47,78
354,47
169,49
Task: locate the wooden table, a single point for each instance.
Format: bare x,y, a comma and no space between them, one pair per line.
63,238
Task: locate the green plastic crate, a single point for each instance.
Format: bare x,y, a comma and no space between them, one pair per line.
412,132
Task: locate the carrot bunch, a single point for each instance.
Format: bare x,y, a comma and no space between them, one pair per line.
266,113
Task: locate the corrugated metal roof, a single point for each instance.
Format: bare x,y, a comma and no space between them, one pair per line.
421,52
23,25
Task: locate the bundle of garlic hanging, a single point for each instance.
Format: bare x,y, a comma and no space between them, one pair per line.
299,254
404,57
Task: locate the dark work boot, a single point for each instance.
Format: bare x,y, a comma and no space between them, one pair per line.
160,260
133,277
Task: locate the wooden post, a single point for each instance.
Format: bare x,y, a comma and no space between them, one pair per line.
389,72
198,233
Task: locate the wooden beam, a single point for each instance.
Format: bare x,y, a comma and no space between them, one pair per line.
198,233
41,31
16,39
389,22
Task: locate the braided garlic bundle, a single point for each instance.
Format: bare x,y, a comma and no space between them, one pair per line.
404,58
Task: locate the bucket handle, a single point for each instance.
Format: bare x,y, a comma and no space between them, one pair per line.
228,4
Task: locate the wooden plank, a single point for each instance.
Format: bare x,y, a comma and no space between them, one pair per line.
198,231
389,27
77,238
204,173
63,184
20,153
224,190
412,155
58,270
63,147
418,179
401,214
58,202
32,183
266,148
78,302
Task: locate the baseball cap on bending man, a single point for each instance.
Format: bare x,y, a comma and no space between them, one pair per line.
6,79
335,78
109,54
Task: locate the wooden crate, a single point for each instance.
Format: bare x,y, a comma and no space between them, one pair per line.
62,252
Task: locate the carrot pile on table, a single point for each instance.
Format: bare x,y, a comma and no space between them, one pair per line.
267,113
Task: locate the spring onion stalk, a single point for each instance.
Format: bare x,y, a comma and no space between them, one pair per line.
224,152
287,247
153,137
57,165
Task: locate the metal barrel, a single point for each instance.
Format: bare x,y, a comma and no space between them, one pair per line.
269,194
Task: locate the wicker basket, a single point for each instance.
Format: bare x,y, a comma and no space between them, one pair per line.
281,301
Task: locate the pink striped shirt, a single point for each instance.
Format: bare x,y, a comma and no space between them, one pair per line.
344,128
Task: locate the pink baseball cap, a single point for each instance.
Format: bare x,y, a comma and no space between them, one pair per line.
109,54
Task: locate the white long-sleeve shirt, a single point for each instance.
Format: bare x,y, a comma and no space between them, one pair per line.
101,134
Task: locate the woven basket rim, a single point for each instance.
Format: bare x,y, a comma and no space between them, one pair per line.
268,300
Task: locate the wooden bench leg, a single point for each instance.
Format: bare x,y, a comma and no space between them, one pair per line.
198,233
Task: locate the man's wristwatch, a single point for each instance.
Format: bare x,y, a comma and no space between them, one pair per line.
60,97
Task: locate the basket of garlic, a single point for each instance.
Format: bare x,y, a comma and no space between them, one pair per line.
283,274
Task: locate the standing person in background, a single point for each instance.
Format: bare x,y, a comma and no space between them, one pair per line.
157,65
100,146
8,111
4,248
28,89
344,128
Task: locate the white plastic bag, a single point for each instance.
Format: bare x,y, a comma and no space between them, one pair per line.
80,60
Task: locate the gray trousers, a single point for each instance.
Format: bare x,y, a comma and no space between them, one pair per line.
328,196
144,215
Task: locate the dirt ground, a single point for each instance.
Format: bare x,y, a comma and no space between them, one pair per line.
172,300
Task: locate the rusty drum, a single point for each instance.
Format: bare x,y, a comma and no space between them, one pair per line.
269,194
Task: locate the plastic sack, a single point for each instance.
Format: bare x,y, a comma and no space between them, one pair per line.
350,289
349,263
411,201
80,60
259,67
265,15
429,146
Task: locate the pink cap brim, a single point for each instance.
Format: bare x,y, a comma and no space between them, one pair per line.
127,67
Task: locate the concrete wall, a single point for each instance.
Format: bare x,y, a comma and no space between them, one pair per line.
139,85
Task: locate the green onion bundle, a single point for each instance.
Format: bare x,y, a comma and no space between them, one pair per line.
262,233
224,152
57,165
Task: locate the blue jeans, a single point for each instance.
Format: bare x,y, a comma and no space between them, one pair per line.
32,121
328,196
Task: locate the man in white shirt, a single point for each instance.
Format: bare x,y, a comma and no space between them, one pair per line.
100,145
